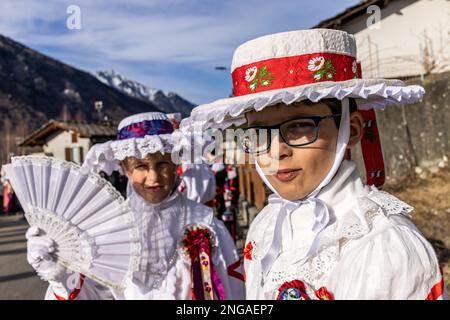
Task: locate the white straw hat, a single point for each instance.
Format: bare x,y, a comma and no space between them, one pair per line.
292,66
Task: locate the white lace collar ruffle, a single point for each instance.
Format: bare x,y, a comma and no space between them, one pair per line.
353,207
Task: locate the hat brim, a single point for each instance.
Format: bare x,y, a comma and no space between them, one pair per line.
368,93
107,156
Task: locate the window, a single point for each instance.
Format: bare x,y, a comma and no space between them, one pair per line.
75,155
68,154
74,137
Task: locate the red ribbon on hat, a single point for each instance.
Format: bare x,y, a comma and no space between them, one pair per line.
371,147
278,73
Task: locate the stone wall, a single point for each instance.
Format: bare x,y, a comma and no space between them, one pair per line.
416,138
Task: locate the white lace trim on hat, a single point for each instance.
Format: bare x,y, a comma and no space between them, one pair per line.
106,156
369,94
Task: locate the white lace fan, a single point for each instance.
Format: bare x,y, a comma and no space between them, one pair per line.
88,219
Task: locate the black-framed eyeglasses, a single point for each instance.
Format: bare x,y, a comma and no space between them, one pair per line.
296,132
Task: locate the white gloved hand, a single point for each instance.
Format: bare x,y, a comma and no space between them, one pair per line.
40,255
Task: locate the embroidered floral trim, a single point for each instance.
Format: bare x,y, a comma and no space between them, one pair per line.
249,250
316,63
250,73
324,69
262,77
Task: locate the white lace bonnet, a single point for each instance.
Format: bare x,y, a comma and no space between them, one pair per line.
137,136
292,66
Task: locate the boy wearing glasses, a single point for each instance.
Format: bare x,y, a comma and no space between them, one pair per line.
324,234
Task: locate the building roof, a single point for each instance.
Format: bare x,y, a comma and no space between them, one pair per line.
351,13
85,130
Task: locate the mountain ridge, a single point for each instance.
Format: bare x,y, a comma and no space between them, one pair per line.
170,102
35,88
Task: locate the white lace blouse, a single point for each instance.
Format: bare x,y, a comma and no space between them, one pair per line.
370,249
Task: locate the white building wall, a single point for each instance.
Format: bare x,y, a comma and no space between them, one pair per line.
57,144
395,48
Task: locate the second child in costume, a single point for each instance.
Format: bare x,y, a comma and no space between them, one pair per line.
186,252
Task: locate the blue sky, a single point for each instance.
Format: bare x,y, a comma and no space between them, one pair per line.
173,45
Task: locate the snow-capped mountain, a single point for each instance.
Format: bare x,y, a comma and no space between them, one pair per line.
35,88
166,103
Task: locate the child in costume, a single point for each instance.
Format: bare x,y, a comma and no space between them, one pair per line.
197,179
186,252
197,182
324,233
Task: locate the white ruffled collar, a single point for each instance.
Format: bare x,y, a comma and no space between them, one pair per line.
353,208
353,205
343,198
341,193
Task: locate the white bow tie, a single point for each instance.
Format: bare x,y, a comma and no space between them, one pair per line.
321,218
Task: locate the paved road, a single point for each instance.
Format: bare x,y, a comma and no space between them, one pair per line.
17,278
